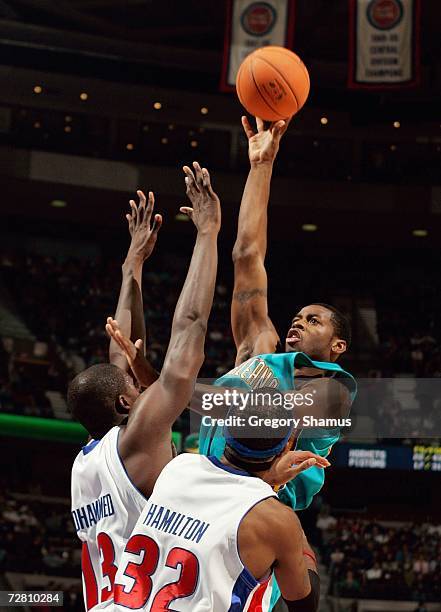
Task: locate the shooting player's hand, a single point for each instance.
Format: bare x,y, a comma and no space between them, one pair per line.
263,144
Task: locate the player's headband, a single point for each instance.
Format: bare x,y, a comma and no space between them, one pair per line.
256,453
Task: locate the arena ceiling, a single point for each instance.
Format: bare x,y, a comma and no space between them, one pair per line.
161,41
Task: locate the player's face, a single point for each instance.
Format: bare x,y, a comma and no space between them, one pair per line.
311,332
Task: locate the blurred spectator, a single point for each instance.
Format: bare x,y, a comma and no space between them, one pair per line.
399,562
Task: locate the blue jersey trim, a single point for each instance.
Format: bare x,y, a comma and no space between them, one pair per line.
227,468
89,447
246,582
242,588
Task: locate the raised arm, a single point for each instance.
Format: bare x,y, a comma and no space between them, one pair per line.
129,311
253,330
150,419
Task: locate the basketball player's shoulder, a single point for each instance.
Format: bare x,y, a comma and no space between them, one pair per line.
187,460
271,518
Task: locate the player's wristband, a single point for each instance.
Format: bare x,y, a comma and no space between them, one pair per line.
311,555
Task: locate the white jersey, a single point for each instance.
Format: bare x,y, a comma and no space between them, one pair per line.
183,553
105,508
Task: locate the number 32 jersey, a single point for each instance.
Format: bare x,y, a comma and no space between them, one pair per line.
183,553
105,508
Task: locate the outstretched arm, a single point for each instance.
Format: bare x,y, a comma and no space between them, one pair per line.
253,330
153,414
129,311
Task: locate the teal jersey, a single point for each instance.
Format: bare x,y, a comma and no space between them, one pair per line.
276,370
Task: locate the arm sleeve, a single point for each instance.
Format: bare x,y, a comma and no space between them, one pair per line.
310,602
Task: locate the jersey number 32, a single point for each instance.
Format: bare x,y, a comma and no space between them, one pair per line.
137,596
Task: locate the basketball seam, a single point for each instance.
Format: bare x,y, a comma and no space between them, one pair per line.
300,62
284,80
261,95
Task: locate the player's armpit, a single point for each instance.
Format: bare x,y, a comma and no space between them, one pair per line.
258,343
332,399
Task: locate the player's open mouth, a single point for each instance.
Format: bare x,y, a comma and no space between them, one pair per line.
293,337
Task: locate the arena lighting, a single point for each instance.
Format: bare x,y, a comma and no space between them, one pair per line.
38,89
204,110
171,126
397,124
58,203
56,430
37,125
68,118
194,143
420,233
182,217
324,121
157,105
393,147
129,146
309,227
145,128
67,128
83,96
164,140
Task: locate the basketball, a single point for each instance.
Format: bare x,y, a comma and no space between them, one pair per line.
272,83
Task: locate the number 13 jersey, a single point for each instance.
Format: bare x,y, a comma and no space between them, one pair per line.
105,508
183,553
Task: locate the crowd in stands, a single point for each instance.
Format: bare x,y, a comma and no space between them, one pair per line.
65,301
37,535
369,559
66,310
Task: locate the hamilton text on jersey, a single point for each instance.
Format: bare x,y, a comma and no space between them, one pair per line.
175,523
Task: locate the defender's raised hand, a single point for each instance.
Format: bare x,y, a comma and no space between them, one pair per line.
205,211
263,145
291,465
134,353
144,235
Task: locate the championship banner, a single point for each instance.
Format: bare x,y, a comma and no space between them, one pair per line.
251,25
384,45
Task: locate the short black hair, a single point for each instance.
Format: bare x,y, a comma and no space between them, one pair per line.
340,321
264,403
93,397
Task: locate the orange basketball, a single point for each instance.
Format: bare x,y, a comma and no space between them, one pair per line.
272,83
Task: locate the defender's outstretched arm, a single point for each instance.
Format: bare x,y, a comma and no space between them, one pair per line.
148,431
129,311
